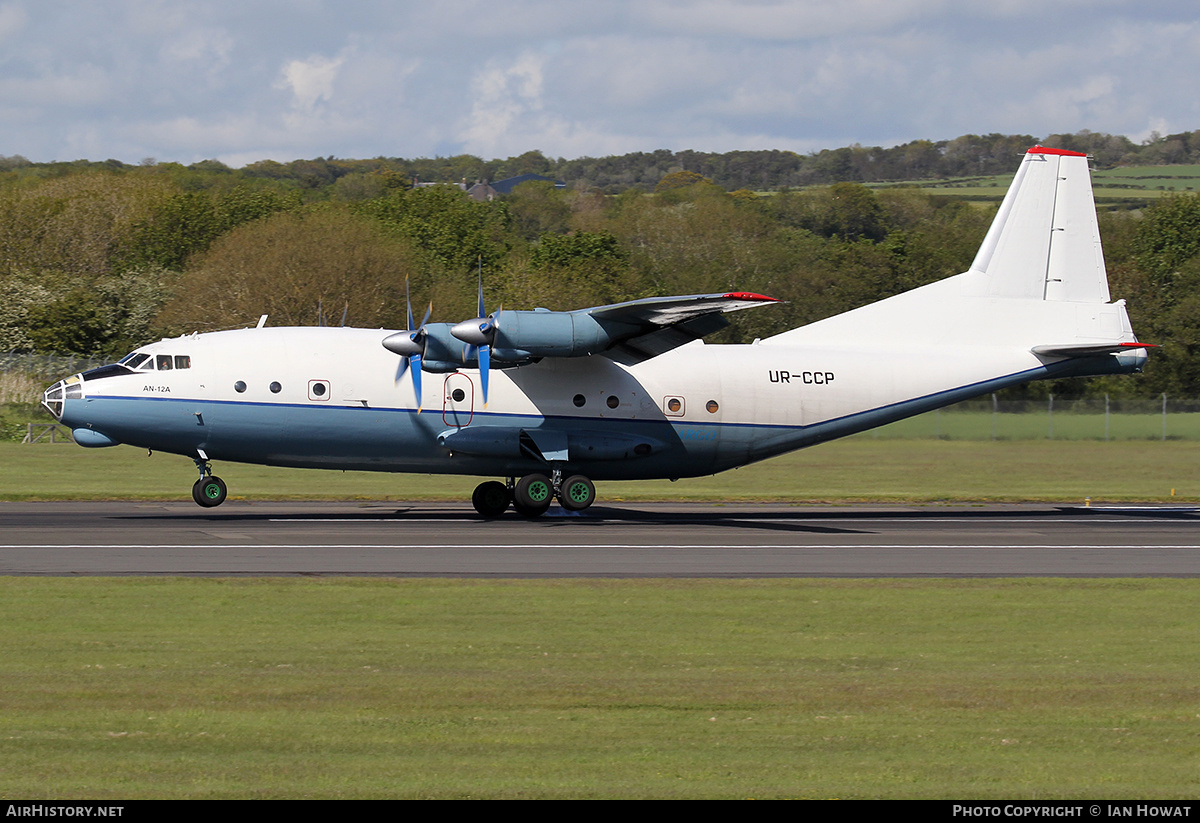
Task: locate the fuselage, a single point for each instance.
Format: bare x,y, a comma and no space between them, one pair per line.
330,398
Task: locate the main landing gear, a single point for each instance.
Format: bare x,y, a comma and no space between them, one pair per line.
209,490
532,494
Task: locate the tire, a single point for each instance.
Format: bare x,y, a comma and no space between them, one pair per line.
491,499
533,495
209,491
577,493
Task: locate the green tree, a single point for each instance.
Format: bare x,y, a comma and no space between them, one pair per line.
455,229
1168,238
288,264
82,225
189,221
537,208
679,180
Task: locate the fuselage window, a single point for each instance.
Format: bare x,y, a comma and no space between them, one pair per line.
183,361
579,400
163,362
318,389
276,388
239,386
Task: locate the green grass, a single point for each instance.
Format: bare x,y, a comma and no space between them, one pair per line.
862,468
129,688
1173,178
1125,187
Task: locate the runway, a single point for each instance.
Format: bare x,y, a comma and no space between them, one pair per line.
643,540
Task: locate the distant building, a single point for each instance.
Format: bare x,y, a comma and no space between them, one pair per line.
482,192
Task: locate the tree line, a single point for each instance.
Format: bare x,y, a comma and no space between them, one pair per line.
101,258
768,170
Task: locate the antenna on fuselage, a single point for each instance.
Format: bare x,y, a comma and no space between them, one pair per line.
262,321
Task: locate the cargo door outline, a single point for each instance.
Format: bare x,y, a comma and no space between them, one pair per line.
458,400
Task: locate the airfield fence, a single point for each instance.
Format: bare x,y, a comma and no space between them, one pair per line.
1051,418
47,365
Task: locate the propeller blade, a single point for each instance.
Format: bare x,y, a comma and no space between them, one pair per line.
482,310
416,378
408,302
409,344
485,366
487,331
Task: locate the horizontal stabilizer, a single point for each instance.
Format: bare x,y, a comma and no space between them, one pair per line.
1089,349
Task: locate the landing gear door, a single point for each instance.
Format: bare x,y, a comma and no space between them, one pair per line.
458,400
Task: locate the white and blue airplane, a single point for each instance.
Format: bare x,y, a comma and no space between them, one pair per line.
627,391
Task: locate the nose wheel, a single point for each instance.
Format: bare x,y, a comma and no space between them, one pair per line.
209,491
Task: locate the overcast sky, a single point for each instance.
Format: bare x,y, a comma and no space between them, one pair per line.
245,80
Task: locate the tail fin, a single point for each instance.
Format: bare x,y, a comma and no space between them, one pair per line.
1038,282
1045,243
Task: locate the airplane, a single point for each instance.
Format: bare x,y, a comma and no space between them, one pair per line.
552,401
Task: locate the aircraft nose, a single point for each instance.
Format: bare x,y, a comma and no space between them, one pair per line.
60,392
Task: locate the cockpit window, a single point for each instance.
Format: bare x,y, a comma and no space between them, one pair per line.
134,360
163,362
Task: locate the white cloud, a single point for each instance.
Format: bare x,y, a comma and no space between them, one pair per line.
189,79
502,96
311,80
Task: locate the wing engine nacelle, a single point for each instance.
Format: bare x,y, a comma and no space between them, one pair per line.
522,336
516,338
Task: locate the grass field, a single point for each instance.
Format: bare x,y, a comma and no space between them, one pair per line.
134,688
862,468
337,688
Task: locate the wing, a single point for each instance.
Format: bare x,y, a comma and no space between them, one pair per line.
641,329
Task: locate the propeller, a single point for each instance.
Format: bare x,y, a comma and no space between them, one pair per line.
479,333
410,345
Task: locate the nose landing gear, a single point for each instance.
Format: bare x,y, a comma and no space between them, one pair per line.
209,491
